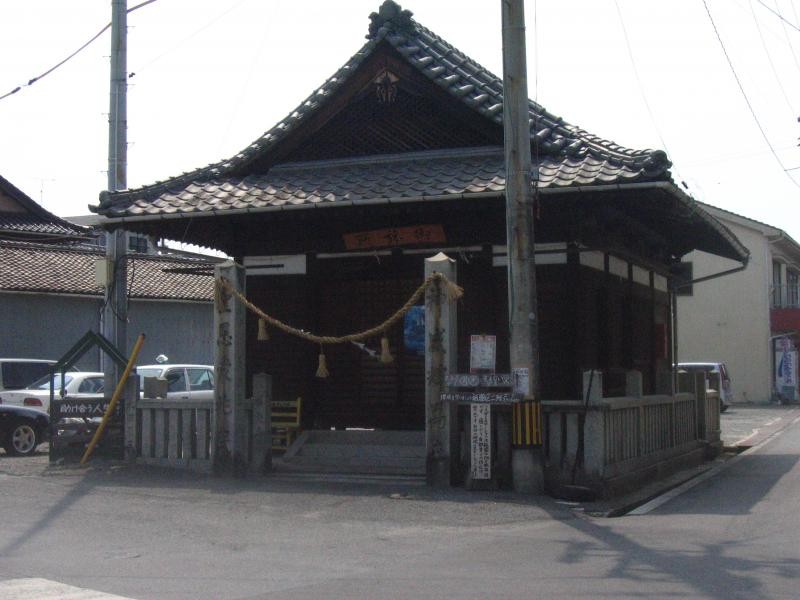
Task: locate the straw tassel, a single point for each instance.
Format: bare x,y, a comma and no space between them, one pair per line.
322,368
454,291
263,334
386,354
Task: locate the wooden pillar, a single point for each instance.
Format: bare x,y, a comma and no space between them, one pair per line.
441,336
230,417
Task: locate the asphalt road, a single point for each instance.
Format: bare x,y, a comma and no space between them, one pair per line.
142,534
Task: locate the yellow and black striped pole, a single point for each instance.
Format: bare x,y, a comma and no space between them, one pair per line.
527,423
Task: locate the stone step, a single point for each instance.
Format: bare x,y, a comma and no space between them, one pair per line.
310,449
357,452
366,436
300,465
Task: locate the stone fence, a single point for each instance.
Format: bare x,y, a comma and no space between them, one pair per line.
612,445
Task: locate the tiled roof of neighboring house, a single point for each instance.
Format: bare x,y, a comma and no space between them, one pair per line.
43,268
570,155
36,222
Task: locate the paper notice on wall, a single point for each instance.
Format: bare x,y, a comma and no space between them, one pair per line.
482,352
481,437
522,382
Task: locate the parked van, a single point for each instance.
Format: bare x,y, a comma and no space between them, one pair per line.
726,391
18,373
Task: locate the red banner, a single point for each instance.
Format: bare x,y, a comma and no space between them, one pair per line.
395,236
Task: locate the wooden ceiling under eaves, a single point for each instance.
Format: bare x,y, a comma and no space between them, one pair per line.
417,115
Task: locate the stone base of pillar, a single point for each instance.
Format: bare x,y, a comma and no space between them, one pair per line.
437,472
527,471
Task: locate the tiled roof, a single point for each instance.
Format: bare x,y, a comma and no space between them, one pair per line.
415,175
24,225
572,156
45,268
36,221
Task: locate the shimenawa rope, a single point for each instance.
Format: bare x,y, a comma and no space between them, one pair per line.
454,292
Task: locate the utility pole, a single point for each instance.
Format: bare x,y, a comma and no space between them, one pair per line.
526,462
115,309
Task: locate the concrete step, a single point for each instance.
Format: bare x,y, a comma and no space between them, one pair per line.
298,465
357,452
311,449
351,437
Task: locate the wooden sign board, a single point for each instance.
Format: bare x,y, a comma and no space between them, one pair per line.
395,236
81,408
478,397
484,380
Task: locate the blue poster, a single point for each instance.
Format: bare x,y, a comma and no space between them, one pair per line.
414,330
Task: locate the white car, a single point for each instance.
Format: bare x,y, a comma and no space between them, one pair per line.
79,384
726,393
185,382
19,373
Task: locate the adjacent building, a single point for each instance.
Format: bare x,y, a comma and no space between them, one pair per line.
748,318
50,295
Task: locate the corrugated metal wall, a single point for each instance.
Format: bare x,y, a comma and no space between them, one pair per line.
42,326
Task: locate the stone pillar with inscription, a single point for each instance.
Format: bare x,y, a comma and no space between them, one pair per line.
441,337
229,417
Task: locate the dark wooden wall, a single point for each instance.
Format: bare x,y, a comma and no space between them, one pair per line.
588,319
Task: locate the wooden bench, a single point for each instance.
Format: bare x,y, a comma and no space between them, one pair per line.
285,422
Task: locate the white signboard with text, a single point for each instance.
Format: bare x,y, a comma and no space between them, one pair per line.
481,436
482,353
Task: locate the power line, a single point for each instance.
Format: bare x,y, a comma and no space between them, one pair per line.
188,37
639,79
78,51
777,14
786,35
769,59
744,95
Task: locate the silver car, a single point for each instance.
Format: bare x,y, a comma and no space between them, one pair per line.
184,382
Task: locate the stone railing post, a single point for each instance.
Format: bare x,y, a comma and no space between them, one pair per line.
441,430
594,450
634,388
229,417
131,399
700,408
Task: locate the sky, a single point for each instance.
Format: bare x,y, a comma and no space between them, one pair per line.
207,77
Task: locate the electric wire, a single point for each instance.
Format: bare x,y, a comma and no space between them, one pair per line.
788,39
779,15
179,43
769,59
237,105
639,79
78,51
746,99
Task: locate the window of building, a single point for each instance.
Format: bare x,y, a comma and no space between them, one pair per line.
137,243
793,293
777,288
